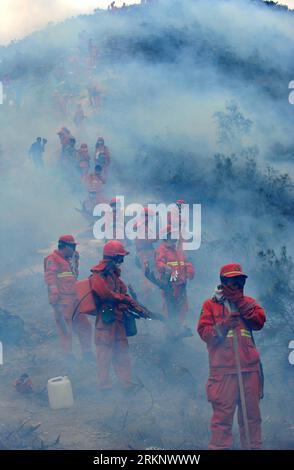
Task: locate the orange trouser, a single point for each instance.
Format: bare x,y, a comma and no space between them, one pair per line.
223,393
112,347
80,326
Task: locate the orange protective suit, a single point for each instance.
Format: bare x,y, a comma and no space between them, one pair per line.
60,276
222,386
174,271
110,338
83,159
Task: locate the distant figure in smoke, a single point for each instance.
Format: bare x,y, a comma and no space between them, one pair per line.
64,136
176,219
145,251
79,116
69,162
68,155
83,159
112,301
95,183
174,271
61,271
229,316
36,151
101,147
94,92
115,220
112,7
102,155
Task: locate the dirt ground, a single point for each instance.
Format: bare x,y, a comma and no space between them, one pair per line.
170,411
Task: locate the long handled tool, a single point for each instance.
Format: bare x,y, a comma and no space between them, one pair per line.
231,308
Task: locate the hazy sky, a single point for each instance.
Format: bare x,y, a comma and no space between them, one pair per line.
20,17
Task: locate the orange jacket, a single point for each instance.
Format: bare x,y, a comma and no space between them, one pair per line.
83,159
60,276
110,289
220,342
167,257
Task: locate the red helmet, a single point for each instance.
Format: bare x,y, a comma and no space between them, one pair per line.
232,270
113,201
180,201
67,239
114,248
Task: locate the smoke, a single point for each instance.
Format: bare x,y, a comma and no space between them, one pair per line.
21,17
194,105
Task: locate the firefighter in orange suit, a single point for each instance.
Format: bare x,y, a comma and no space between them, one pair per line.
61,272
174,271
112,301
229,312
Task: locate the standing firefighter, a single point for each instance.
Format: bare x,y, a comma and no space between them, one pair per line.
235,379
36,151
112,301
174,271
145,251
61,272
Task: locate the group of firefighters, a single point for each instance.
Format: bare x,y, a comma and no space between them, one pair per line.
78,163
226,323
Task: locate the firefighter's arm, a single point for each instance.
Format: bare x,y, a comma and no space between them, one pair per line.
208,330
105,294
253,314
50,276
160,263
213,332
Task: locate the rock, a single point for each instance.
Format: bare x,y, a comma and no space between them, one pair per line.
11,327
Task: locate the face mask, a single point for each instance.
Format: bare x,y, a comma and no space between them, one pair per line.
234,283
119,260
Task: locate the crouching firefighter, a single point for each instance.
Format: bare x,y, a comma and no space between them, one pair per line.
61,272
111,303
235,378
